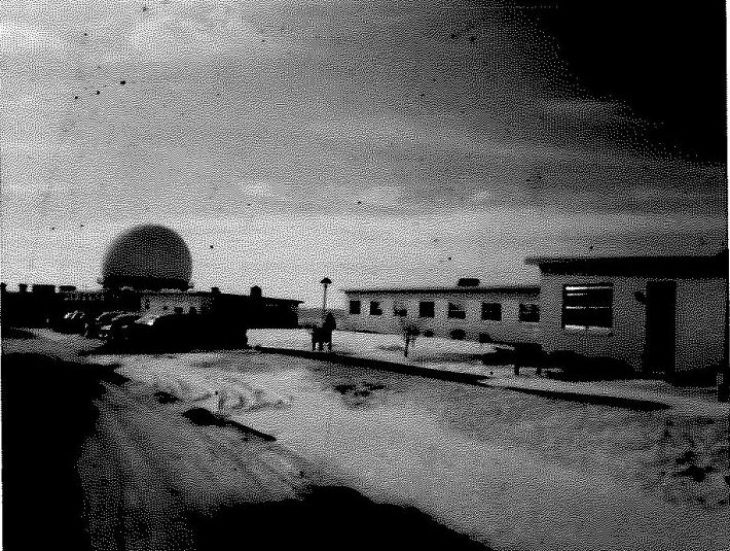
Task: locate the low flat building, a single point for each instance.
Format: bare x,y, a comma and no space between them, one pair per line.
44,304
658,314
466,311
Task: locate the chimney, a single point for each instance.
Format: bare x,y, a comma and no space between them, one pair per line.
256,291
468,282
215,291
22,287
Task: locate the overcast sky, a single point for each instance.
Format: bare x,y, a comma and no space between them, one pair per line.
377,143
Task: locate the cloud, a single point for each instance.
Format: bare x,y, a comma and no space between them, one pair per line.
311,110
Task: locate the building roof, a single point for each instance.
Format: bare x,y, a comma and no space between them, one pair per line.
642,266
507,289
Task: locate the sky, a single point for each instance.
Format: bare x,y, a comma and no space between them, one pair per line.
376,143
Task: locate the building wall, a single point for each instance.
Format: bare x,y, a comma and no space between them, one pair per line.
165,303
698,325
507,330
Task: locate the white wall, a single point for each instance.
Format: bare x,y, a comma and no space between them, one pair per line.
507,330
165,303
698,326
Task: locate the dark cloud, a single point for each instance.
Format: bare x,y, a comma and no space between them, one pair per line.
665,60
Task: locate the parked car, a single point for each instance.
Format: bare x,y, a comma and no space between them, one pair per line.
162,330
72,322
91,330
116,329
182,331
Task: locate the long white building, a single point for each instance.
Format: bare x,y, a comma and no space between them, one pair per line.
657,314
466,311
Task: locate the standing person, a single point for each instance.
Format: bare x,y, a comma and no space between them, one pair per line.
329,325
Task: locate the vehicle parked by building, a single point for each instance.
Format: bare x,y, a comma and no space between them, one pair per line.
116,329
93,325
72,322
183,331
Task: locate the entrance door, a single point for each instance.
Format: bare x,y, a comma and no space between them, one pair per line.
661,301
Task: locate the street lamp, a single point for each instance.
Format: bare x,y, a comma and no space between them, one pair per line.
325,283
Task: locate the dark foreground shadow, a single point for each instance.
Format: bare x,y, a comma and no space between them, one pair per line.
47,411
329,518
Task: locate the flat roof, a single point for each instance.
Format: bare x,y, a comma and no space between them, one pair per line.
649,266
508,289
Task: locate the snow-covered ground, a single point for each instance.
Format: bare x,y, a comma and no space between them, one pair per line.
512,470
430,352
188,378
465,357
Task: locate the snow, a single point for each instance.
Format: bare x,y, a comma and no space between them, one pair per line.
465,357
512,470
430,352
188,378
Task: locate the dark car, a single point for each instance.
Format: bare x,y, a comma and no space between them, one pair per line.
184,331
168,330
116,329
72,322
93,325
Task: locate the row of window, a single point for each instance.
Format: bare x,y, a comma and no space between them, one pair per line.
491,311
584,307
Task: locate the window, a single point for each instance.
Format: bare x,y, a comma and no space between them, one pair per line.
400,310
529,313
588,306
426,309
456,310
355,307
484,338
458,334
492,311
375,308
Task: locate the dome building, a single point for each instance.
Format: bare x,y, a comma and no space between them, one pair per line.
147,269
147,258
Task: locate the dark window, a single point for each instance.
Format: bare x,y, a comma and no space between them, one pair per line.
400,310
426,309
456,310
492,311
355,307
587,306
458,334
484,338
375,309
529,312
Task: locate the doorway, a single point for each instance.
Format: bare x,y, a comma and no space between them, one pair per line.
661,303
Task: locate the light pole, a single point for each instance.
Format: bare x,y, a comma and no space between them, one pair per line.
325,283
